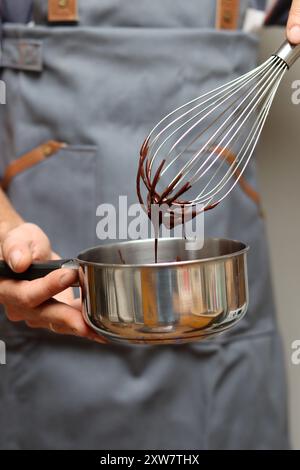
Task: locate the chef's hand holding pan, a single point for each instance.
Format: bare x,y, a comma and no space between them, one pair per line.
293,24
47,302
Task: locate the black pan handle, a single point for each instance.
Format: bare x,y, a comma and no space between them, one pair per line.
35,271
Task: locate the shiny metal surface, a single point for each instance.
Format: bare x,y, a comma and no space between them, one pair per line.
289,53
197,153
169,302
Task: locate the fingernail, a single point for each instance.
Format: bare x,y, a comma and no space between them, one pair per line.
15,259
67,278
294,34
98,339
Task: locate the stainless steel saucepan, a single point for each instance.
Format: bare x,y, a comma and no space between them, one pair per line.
128,298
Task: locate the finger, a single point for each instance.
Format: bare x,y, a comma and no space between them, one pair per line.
293,25
67,296
76,303
62,319
59,317
93,336
98,339
13,314
30,294
60,329
24,244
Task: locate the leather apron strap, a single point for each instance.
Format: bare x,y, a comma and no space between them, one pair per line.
28,160
62,11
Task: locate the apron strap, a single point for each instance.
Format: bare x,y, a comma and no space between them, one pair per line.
51,147
28,160
62,11
55,12
231,159
227,14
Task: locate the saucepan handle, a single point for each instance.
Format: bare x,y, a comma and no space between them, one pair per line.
36,270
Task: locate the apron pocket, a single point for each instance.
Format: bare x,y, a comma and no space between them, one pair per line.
58,194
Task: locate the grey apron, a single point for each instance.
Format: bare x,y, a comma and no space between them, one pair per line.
100,86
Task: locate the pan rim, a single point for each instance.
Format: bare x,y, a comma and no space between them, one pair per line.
168,264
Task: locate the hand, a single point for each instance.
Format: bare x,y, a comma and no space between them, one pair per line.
293,24
43,303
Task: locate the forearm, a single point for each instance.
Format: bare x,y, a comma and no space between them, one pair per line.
9,218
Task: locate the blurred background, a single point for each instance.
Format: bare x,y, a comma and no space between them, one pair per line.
278,160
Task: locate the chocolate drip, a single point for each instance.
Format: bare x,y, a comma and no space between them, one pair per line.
121,257
153,197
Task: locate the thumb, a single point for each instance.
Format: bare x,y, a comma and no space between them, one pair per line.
24,244
293,24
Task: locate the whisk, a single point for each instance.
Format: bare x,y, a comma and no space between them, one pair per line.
197,153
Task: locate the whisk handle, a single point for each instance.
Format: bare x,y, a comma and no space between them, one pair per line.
288,52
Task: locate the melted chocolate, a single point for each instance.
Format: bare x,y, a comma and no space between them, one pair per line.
166,197
121,257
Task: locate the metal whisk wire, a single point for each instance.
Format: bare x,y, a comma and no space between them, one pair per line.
245,153
256,130
209,141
